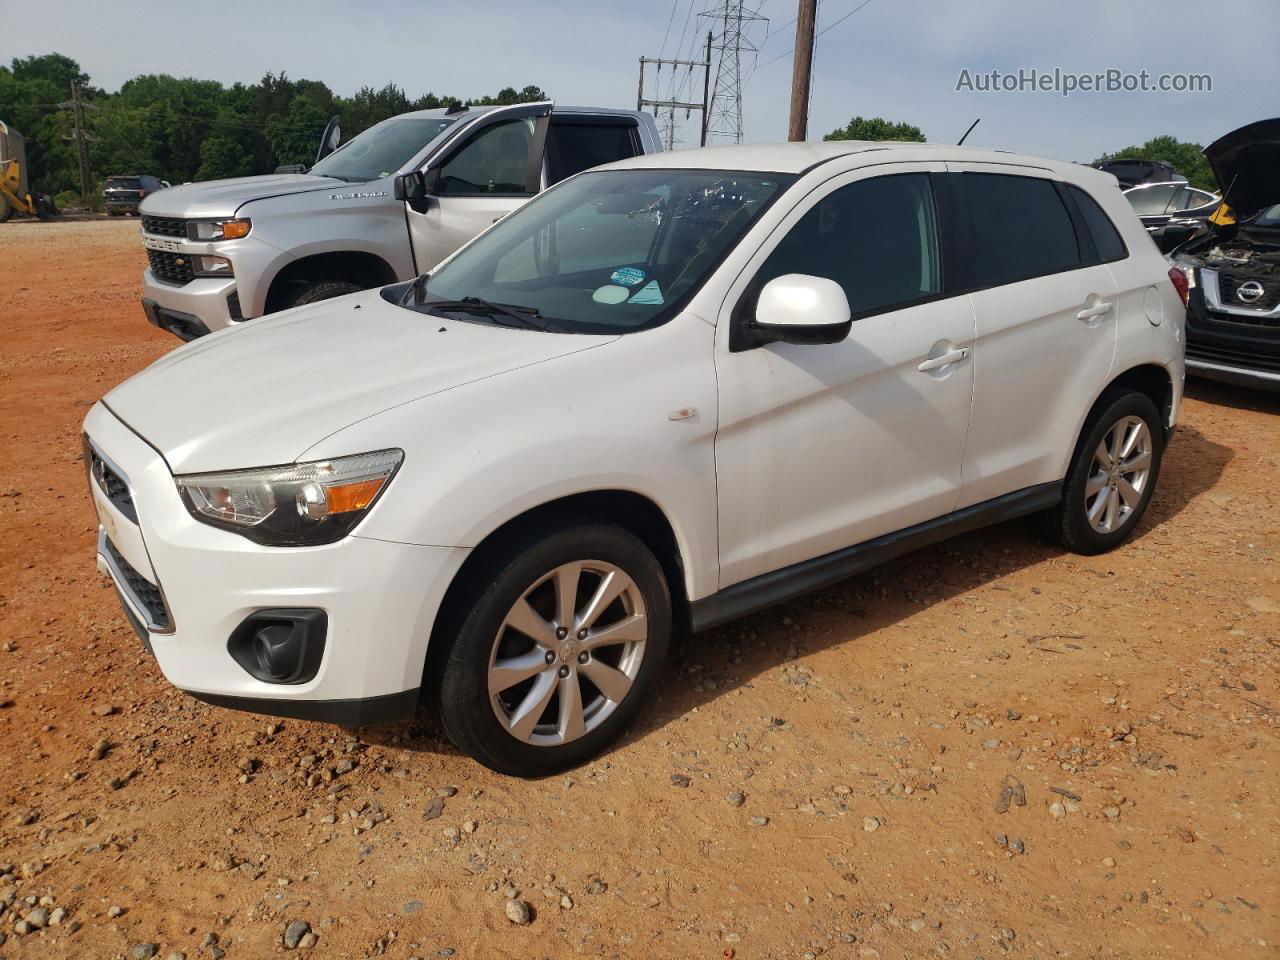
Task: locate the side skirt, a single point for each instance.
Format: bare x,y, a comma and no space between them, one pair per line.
747,597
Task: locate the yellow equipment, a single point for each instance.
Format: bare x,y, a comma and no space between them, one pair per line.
15,194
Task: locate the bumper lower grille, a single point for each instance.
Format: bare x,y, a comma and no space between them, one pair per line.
165,227
171,267
233,305
140,589
1245,359
113,485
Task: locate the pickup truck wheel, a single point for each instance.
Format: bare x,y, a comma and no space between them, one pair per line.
322,290
1111,478
557,653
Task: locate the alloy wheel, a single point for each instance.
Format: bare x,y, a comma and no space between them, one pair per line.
1120,471
567,653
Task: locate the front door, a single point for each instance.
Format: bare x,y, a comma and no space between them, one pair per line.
823,447
494,168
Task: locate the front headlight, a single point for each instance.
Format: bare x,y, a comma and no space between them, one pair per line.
218,229
301,504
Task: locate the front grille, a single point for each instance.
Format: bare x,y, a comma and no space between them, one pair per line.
173,268
113,485
1229,285
1226,356
165,227
140,589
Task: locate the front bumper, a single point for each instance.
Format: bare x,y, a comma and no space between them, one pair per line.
201,306
186,586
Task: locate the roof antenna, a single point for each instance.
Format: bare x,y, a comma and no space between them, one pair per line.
969,131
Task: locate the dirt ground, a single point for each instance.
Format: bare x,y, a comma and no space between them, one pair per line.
869,729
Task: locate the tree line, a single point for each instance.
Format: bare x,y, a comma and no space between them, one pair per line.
181,129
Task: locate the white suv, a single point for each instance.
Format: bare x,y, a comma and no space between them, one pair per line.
665,393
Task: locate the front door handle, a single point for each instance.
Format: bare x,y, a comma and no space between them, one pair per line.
1100,309
943,360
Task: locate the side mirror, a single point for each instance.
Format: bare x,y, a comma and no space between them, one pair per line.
797,308
416,186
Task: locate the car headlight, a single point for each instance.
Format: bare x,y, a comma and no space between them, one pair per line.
297,505
206,266
218,229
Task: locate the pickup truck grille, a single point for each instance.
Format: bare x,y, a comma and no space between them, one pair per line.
165,227
172,268
1229,285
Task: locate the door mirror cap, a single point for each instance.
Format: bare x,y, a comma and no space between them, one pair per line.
798,308
416,185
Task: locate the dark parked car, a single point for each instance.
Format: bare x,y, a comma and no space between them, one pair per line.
1131,171
1233,264
123,193
1171,212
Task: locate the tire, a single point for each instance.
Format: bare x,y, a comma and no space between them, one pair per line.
523,582
1096,513
318,290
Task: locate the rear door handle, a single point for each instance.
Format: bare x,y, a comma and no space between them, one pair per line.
1097,310
943,360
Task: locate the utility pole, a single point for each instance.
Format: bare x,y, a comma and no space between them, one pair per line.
80,136
671,105
801,70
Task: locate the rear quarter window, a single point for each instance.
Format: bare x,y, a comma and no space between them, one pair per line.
1021,228
1106,238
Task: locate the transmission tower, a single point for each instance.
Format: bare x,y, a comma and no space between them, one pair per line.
724,118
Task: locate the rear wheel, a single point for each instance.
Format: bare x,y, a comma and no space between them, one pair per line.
318,290
562,646
1112,476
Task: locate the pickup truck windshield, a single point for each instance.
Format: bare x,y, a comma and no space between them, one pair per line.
382,149
607,252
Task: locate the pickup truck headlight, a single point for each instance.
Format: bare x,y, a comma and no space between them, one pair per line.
297,505
218,229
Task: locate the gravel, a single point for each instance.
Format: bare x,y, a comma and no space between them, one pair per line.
518,912
679,780
143,951
736,799
294,933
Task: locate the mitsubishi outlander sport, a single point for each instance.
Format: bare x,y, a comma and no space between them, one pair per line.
666,393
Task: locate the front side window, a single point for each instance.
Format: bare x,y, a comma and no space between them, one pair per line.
607,252
1021,229
382,149
495,160
1106,239
877,238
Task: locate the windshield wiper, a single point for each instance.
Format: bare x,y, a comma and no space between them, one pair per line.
527,316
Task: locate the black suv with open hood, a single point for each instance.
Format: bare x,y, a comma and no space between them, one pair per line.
1233,314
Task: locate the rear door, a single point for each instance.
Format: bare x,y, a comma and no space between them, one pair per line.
1045,312
494,167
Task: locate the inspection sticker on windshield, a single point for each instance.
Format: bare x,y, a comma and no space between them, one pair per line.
628,276
649,293
610,293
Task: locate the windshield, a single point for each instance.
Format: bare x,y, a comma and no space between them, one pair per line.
382,149
1269,217
607,252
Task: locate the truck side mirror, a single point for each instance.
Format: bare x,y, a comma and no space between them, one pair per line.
410,186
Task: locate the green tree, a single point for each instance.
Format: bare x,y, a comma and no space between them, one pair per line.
876,128
1186,158
295,134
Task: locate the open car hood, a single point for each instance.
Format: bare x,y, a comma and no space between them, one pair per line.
1247,164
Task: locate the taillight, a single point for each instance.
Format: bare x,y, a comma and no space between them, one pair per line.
1180,283
142,193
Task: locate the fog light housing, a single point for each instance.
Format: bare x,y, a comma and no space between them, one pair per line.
283,646
207,266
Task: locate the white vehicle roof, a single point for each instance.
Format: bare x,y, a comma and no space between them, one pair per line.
799,157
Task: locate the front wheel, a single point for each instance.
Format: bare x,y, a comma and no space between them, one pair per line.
562,646
318,290
1112,476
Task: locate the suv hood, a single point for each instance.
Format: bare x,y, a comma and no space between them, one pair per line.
221,198
264,393
1247,165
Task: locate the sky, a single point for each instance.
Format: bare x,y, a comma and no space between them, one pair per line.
900,59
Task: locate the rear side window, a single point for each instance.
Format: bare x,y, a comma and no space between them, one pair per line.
574,146
1021,229
1106,238
877,238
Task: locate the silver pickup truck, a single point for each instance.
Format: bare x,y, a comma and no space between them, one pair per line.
385,206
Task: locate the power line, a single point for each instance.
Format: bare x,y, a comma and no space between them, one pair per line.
818,34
